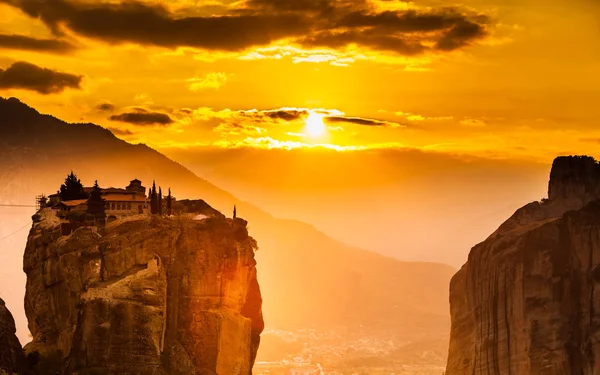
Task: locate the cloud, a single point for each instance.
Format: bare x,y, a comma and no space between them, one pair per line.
140,116
23,75
270,143
154,24
209,81
285,114
280,115
336,24
105,107
361,121
121,132
250,122
237,128
473,123
21,42
256,121
416,117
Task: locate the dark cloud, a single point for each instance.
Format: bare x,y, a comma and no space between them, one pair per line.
328,23
122,132
406,33
459,35
367,38
285,115
105,107
140,116
154,25
359,121
22,42
23,75
276,115
316,6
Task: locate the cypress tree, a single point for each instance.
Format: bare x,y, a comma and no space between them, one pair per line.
95,204
160,206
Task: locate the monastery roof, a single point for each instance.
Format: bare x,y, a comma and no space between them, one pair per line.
112,190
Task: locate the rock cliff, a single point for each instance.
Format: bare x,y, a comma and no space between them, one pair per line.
528,299
12,359
145,296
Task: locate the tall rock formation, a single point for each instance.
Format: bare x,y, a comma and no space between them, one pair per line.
12,359
146,296
528,299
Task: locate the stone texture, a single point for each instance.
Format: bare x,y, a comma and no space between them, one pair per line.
528,299
148,296
12,358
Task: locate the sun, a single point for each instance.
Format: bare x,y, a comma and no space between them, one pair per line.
315,127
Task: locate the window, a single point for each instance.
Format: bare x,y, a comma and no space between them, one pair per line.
129,206
112,206
119,206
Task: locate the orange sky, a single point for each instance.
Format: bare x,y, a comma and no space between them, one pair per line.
501,79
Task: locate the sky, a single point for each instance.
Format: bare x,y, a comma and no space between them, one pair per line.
495,79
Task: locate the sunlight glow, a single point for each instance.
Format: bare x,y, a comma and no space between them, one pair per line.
315,127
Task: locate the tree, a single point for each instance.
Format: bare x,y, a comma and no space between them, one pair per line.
95,204
153,199
160,206
72,189
169,203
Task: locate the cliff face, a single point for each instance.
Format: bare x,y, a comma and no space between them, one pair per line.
148,296
528,299
12,358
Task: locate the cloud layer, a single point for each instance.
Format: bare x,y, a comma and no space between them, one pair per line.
307,23
142,117
22,42
254,122
23,75
360,121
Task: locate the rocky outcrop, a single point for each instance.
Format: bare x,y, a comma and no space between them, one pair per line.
12,359
574,177
146,296
528,299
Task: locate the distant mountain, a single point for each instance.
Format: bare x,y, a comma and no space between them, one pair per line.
309,280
